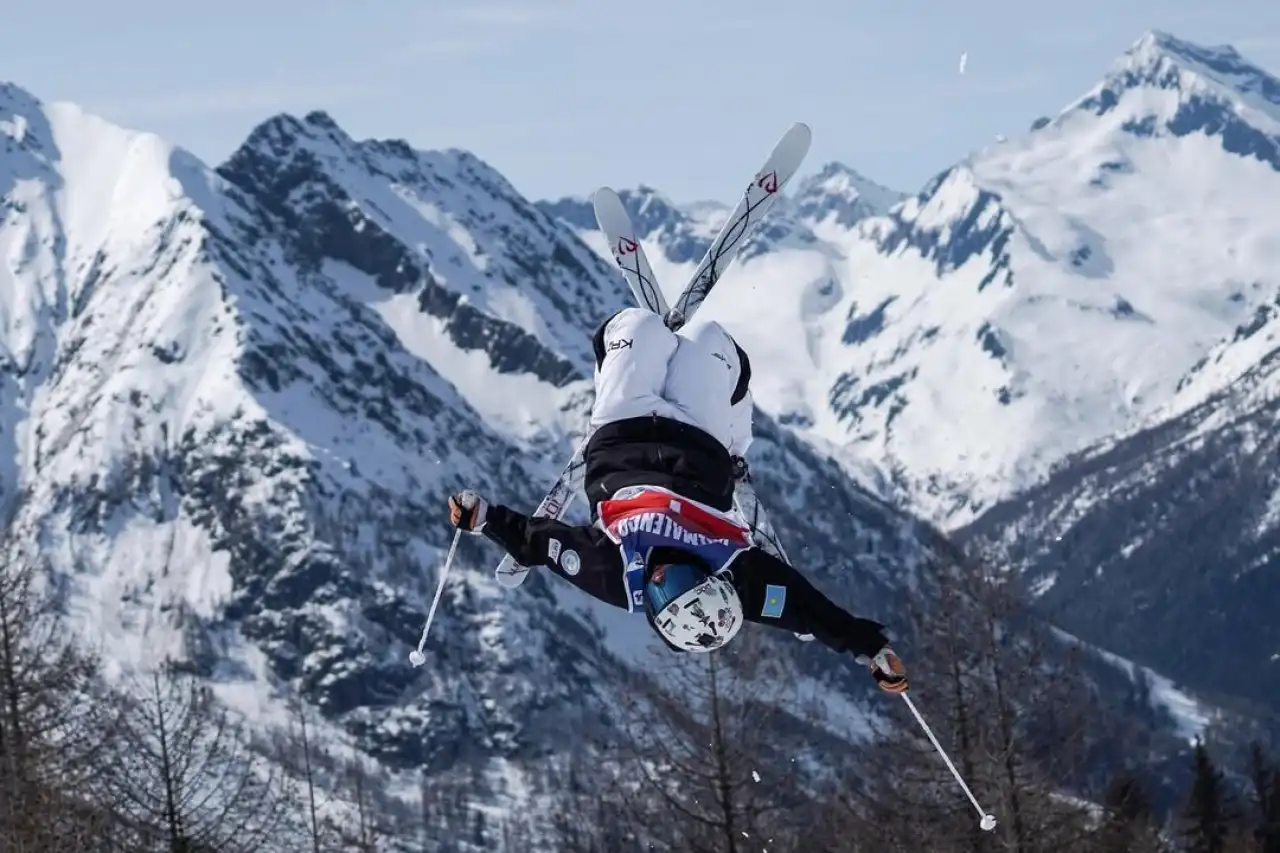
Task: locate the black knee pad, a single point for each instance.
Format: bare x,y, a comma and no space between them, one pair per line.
597,340
744,376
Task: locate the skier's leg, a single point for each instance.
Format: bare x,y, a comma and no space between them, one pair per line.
632,349
708,379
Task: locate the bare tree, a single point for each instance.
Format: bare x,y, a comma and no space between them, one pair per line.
446,814
315,772
695,744
368,829
1012,713
1037,715
53,723
185,780
587,802
340,804
894,796
308,778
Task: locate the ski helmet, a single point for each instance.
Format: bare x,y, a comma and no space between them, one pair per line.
691,608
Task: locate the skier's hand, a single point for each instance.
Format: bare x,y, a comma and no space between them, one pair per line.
739,468
467,510
888,671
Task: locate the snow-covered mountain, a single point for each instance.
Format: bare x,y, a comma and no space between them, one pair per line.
677,235
839,197
1158,539
232,402
1097,298
681,233
1045,293
1061,287
1162,546
227,447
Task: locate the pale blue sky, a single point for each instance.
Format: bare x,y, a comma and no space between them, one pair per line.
565,95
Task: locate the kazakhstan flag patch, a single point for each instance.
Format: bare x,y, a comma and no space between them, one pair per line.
775,598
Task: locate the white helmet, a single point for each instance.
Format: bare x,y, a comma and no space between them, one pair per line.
690,608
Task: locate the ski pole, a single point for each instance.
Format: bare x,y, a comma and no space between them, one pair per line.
416,657
988,821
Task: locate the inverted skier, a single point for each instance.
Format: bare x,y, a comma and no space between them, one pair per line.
672,423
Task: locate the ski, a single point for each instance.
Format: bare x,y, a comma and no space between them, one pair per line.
628,254
782,164
615,224
757,199
748,506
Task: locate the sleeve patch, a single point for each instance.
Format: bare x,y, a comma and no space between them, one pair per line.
775,599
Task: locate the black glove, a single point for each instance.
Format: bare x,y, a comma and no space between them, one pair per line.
467,511
888,671
739,468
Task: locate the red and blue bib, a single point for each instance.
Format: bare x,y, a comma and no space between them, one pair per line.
641,518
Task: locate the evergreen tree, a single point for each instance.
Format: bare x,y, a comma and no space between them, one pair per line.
1265,774
1208,813
1129,823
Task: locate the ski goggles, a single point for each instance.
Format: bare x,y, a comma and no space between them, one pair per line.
669,581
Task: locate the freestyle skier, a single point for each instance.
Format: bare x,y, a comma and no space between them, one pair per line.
671,424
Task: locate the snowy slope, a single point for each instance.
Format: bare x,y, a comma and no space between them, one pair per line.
230,456
1058,288
510,290
235,400
1160,541
1163,545
837,198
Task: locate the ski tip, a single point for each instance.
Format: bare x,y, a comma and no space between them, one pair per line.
611,215
799,136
